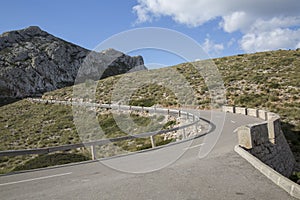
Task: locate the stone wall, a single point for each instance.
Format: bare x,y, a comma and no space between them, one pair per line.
265,140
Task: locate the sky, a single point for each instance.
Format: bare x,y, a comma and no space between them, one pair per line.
220,27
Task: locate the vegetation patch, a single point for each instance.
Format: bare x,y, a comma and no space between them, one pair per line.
266,80
28,125
51,160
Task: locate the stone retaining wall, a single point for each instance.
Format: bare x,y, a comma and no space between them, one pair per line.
265,140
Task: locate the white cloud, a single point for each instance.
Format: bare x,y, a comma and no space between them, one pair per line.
265,24
182,11
275,22
269,40
142,14
236,21
212,48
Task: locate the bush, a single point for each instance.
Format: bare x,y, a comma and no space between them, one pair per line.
51,160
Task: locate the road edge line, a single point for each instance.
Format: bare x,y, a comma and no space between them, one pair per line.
35,179
286,184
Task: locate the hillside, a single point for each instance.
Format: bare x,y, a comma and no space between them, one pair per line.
33,61
29,125
267,80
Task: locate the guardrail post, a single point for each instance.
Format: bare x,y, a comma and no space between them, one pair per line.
152,141
183,133
93,151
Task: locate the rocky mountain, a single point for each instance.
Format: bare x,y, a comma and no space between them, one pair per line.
33,61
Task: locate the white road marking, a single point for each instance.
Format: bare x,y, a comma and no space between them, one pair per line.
232,121
198,145
235,130
34,179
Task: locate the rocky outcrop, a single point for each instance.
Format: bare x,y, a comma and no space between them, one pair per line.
33,61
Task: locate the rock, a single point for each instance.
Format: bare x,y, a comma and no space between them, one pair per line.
33,61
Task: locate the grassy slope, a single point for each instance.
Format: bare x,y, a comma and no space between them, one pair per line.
25,125
30,125
266,80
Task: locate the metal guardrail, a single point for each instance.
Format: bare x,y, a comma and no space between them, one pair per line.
101,142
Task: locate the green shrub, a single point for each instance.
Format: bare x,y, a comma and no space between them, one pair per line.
51,160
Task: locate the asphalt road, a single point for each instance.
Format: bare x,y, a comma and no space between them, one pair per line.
189,170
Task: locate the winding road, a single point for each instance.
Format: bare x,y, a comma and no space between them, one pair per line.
179,171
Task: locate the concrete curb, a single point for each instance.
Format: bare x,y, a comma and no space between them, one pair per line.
289,186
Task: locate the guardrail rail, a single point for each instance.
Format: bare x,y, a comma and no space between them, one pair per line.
195,122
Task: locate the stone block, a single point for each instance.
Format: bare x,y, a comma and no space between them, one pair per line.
285,184
252,112
274,177
295,191
240,110
262,114
273,129
230,109
244,137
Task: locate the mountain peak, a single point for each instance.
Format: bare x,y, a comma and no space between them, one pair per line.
33,61
17,36
32,30
110,51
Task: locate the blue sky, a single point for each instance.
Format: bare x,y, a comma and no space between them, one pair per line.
221,27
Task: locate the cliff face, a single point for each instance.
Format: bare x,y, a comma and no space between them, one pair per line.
33,62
